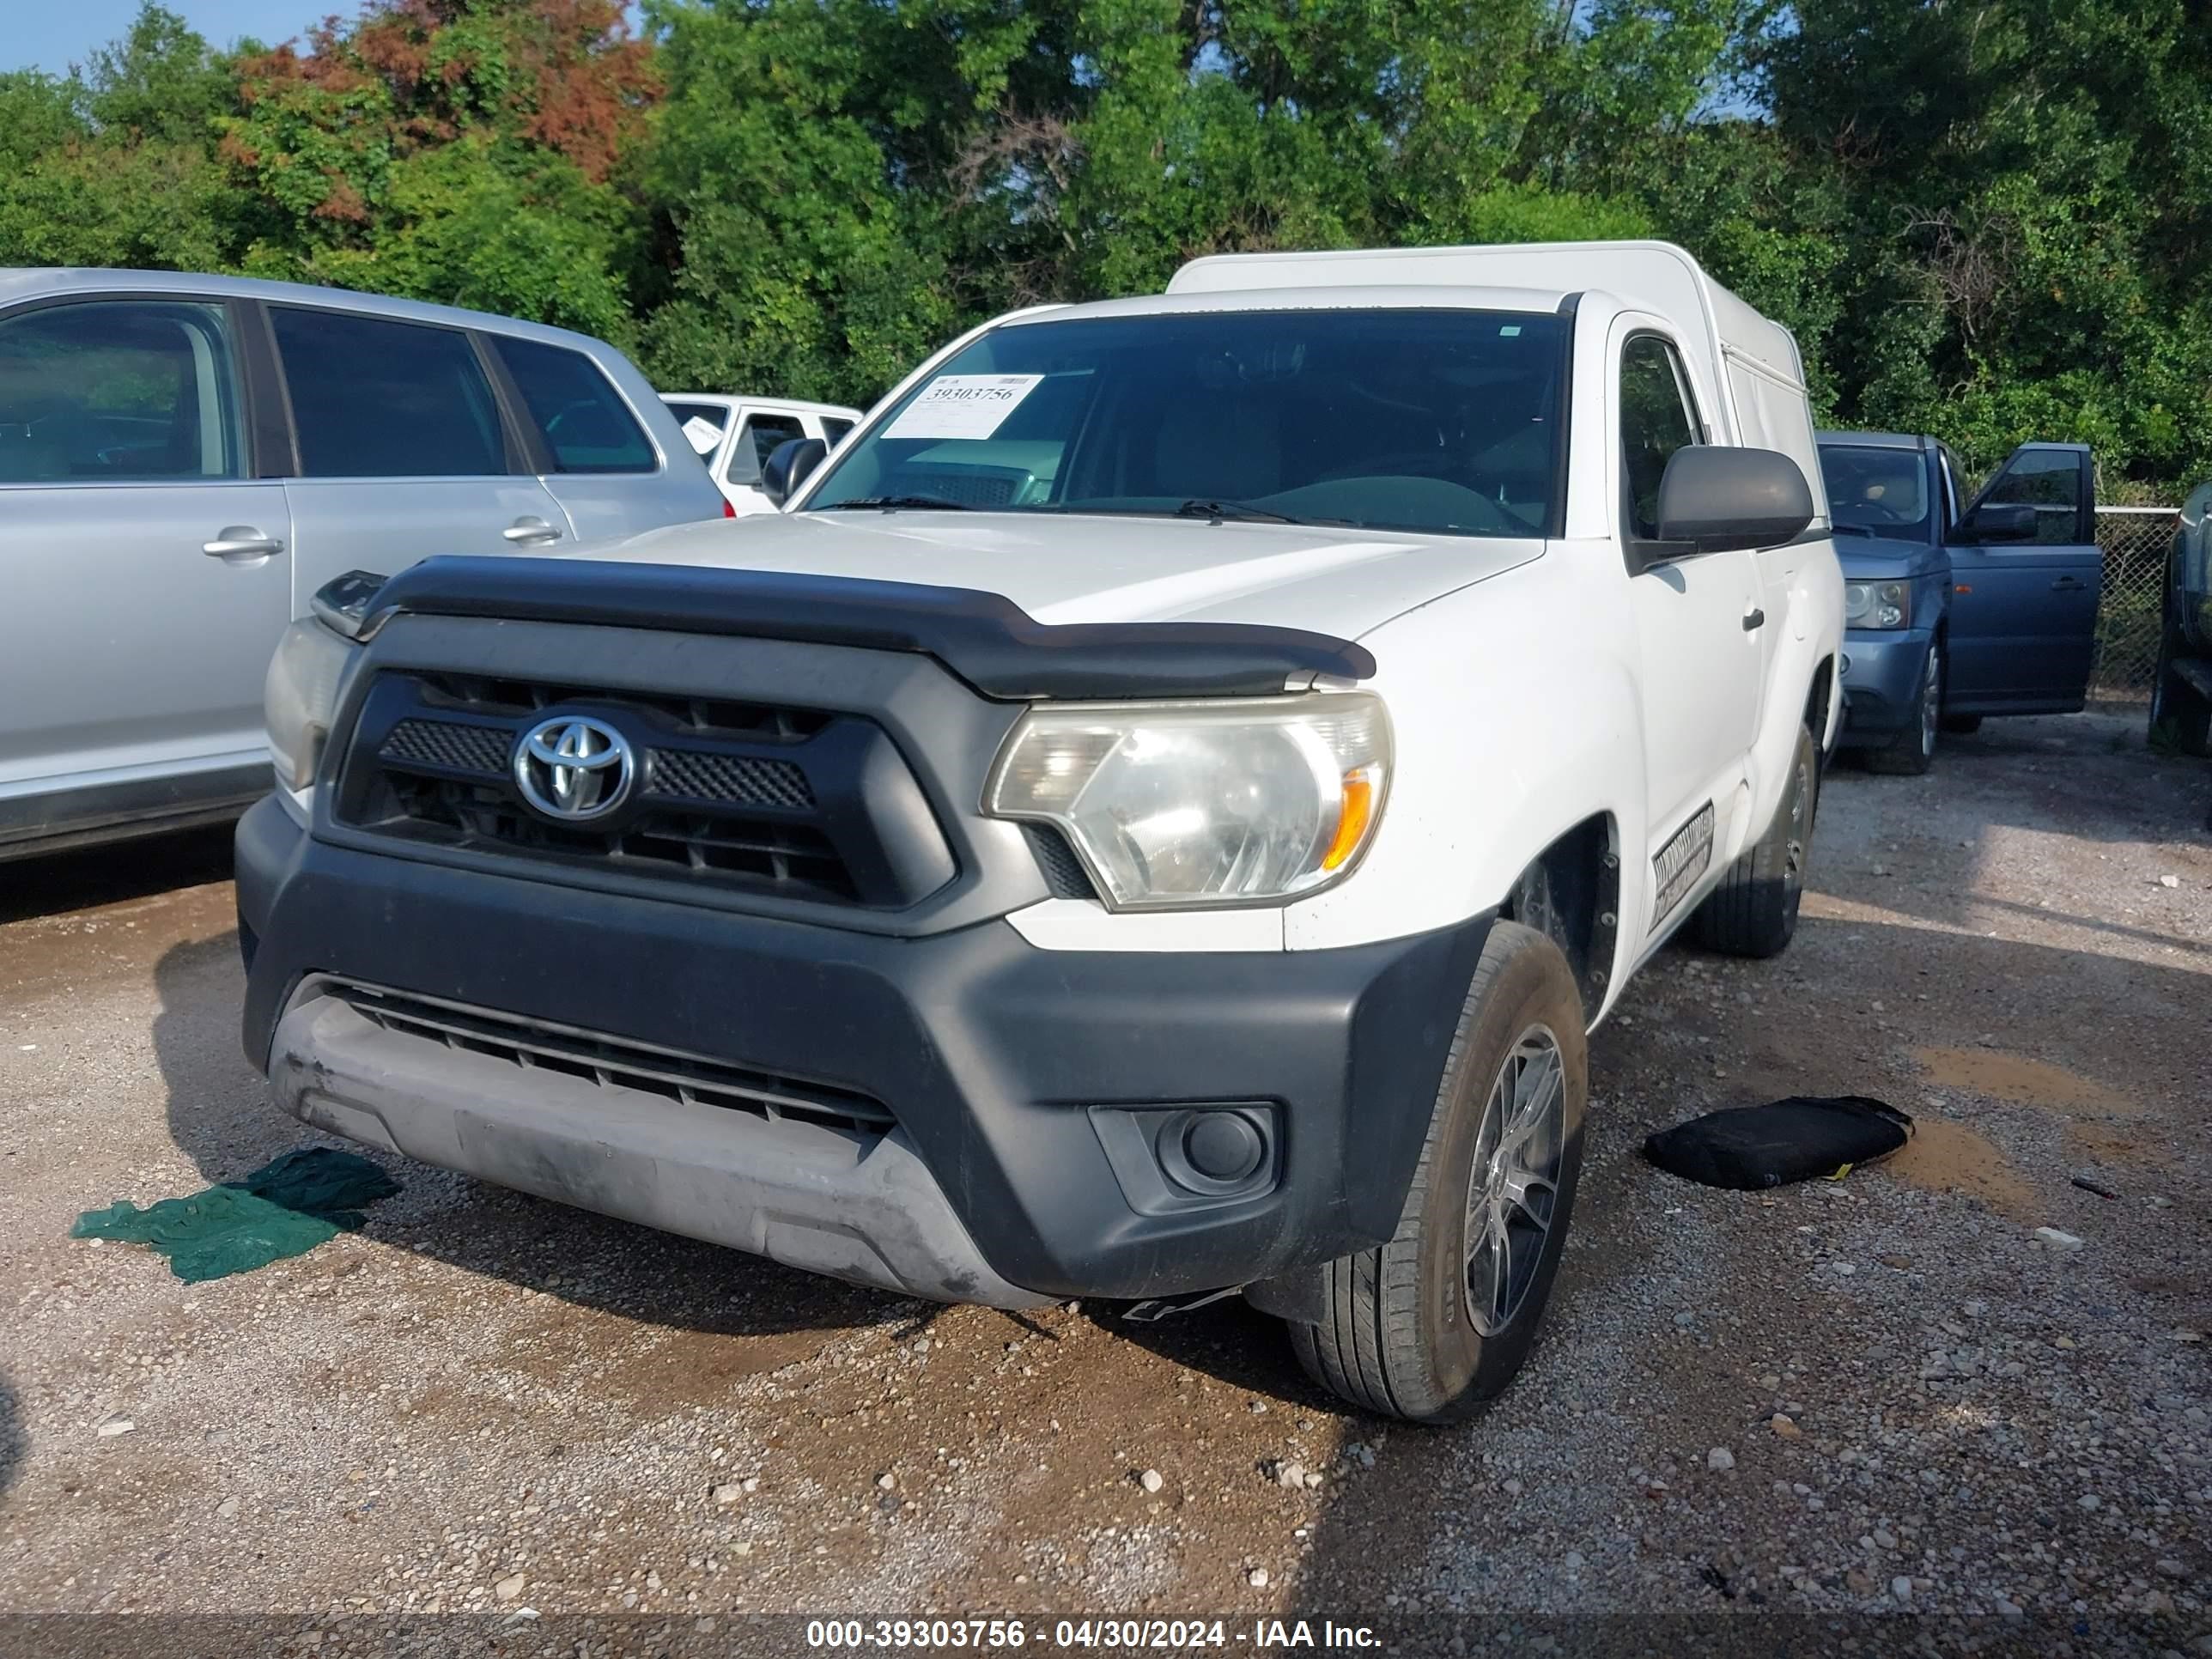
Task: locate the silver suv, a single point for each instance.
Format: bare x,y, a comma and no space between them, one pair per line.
183,460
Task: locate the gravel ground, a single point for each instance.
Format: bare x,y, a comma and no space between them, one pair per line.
1768,1417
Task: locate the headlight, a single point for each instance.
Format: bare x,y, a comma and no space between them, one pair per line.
299,699
1230,802
1877,604
301,696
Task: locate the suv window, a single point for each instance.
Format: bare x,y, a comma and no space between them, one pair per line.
585,423
1655,421
833,429
1877,489
378,399
114,392
762,433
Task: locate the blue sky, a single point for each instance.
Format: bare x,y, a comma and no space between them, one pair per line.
46,35
51,34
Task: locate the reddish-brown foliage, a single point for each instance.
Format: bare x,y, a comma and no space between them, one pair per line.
575,80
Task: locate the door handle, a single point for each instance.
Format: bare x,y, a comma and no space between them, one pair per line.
2068,584
1753,618
527,532
241,541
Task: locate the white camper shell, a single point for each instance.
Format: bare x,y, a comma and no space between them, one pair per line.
1752,359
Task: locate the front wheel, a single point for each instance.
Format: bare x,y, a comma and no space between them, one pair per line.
1912,751
1438,1320
1754,912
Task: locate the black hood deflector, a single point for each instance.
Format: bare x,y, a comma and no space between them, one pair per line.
985,639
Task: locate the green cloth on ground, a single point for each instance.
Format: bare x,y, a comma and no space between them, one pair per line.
286,1207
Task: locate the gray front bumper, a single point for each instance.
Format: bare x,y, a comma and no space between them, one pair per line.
855,1206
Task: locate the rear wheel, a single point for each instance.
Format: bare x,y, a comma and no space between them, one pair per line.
1754,912
1913,749
2180,714
1438,1320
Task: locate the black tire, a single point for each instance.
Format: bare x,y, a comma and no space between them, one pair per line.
1754,912
1399,1336
1964,725
1912,751
2180,714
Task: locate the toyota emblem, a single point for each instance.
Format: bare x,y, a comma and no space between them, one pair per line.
574,769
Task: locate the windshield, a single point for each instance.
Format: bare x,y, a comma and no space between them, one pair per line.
1881,491
1434,421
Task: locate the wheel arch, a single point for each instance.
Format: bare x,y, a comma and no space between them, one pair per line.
1582,870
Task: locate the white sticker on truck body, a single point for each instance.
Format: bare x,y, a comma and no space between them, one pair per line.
962,406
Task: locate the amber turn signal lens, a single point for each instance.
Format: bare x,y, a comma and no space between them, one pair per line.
1354,821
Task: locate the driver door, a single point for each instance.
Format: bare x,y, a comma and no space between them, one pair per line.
2024,612
1696,621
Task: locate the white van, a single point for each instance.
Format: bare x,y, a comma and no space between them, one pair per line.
1156,816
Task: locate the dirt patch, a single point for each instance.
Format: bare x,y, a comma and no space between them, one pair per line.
685,1369
2103,1143
2003,1076
654,1371
1943,1156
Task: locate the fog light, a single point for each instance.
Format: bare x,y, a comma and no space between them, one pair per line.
1844,662
1171,1158
1221,1146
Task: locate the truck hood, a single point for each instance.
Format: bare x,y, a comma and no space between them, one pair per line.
1100,569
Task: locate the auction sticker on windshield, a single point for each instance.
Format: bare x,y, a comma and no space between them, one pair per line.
962,406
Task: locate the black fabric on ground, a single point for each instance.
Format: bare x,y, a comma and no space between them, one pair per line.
1748,1147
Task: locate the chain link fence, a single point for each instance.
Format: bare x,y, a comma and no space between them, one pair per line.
2135,541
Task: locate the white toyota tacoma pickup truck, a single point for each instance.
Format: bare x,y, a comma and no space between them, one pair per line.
1157,817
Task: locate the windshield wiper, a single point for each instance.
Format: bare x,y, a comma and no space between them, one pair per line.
1240,511
892,503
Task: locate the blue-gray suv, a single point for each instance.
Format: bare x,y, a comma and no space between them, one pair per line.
1958,608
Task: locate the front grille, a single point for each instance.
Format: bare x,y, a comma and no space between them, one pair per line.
448,743
792,856
733,794
739,778
613,1063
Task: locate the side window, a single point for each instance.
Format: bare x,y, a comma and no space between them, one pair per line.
703,425
379,399
762,433
118,391
585,423
834,428
2049,480
1654,421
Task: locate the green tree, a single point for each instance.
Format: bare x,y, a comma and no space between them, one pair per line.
161,81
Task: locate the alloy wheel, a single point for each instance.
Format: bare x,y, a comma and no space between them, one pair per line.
1931,702
1513,1185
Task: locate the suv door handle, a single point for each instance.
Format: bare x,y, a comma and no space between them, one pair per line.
531,530
241,541
1753,618
2068,584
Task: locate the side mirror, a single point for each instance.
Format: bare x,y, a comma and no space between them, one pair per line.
1717,499
2010,521
787,466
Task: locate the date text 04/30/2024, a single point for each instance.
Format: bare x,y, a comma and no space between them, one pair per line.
1000,1635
